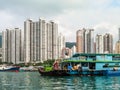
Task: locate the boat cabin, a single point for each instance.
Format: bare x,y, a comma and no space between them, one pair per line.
93,62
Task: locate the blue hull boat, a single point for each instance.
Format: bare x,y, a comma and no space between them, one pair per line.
9,68
92,64
111,72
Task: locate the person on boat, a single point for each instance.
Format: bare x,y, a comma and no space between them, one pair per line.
65,67
70,67
115,69
56,65
75,67
79,67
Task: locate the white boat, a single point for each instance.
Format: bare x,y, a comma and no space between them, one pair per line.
9,68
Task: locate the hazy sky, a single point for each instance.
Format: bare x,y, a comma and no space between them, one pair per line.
71,15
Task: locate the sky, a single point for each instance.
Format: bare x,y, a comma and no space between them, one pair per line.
71,15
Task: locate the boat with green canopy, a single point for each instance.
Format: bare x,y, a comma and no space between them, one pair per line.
91,64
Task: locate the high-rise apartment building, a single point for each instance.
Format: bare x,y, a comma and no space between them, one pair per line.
43,40
49,41
53,34
0,40
99,43
119,33
73,49
1,47
40,41
34,41
11,46
80,41
28,26
4,46
108,43
85,41
117,45
89,41
61,44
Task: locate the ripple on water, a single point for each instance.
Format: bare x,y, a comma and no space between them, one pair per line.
33,81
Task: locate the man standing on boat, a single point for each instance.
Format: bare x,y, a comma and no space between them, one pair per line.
56,65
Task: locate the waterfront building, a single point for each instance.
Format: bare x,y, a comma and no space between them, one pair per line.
90,41
11,46
0,40
99,43
85,41
80,41
54,35
119,33
43,40
40,41
61,44
28,25
1,47
34,41
0,54
95,47
18,46
72,47
108,43
117,45
4,46
49,41
73,50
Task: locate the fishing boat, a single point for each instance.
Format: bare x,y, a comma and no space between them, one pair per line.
87,64
51,72
9,68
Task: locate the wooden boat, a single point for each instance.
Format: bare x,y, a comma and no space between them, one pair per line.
52,72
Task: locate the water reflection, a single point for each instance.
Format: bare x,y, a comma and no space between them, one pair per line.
33,81
81,83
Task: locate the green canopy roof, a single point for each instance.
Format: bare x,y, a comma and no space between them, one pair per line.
93,54
97,61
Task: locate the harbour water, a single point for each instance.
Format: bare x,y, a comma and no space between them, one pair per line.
33,81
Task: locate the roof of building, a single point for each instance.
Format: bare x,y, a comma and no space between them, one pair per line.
94,54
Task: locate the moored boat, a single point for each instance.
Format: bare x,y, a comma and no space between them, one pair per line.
111,73
87,64
52,72
9,68
28,69
94,64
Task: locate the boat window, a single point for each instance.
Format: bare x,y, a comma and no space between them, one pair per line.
92,65
116,63
82,57
102,56
106,65
84,64
76,55
116,58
